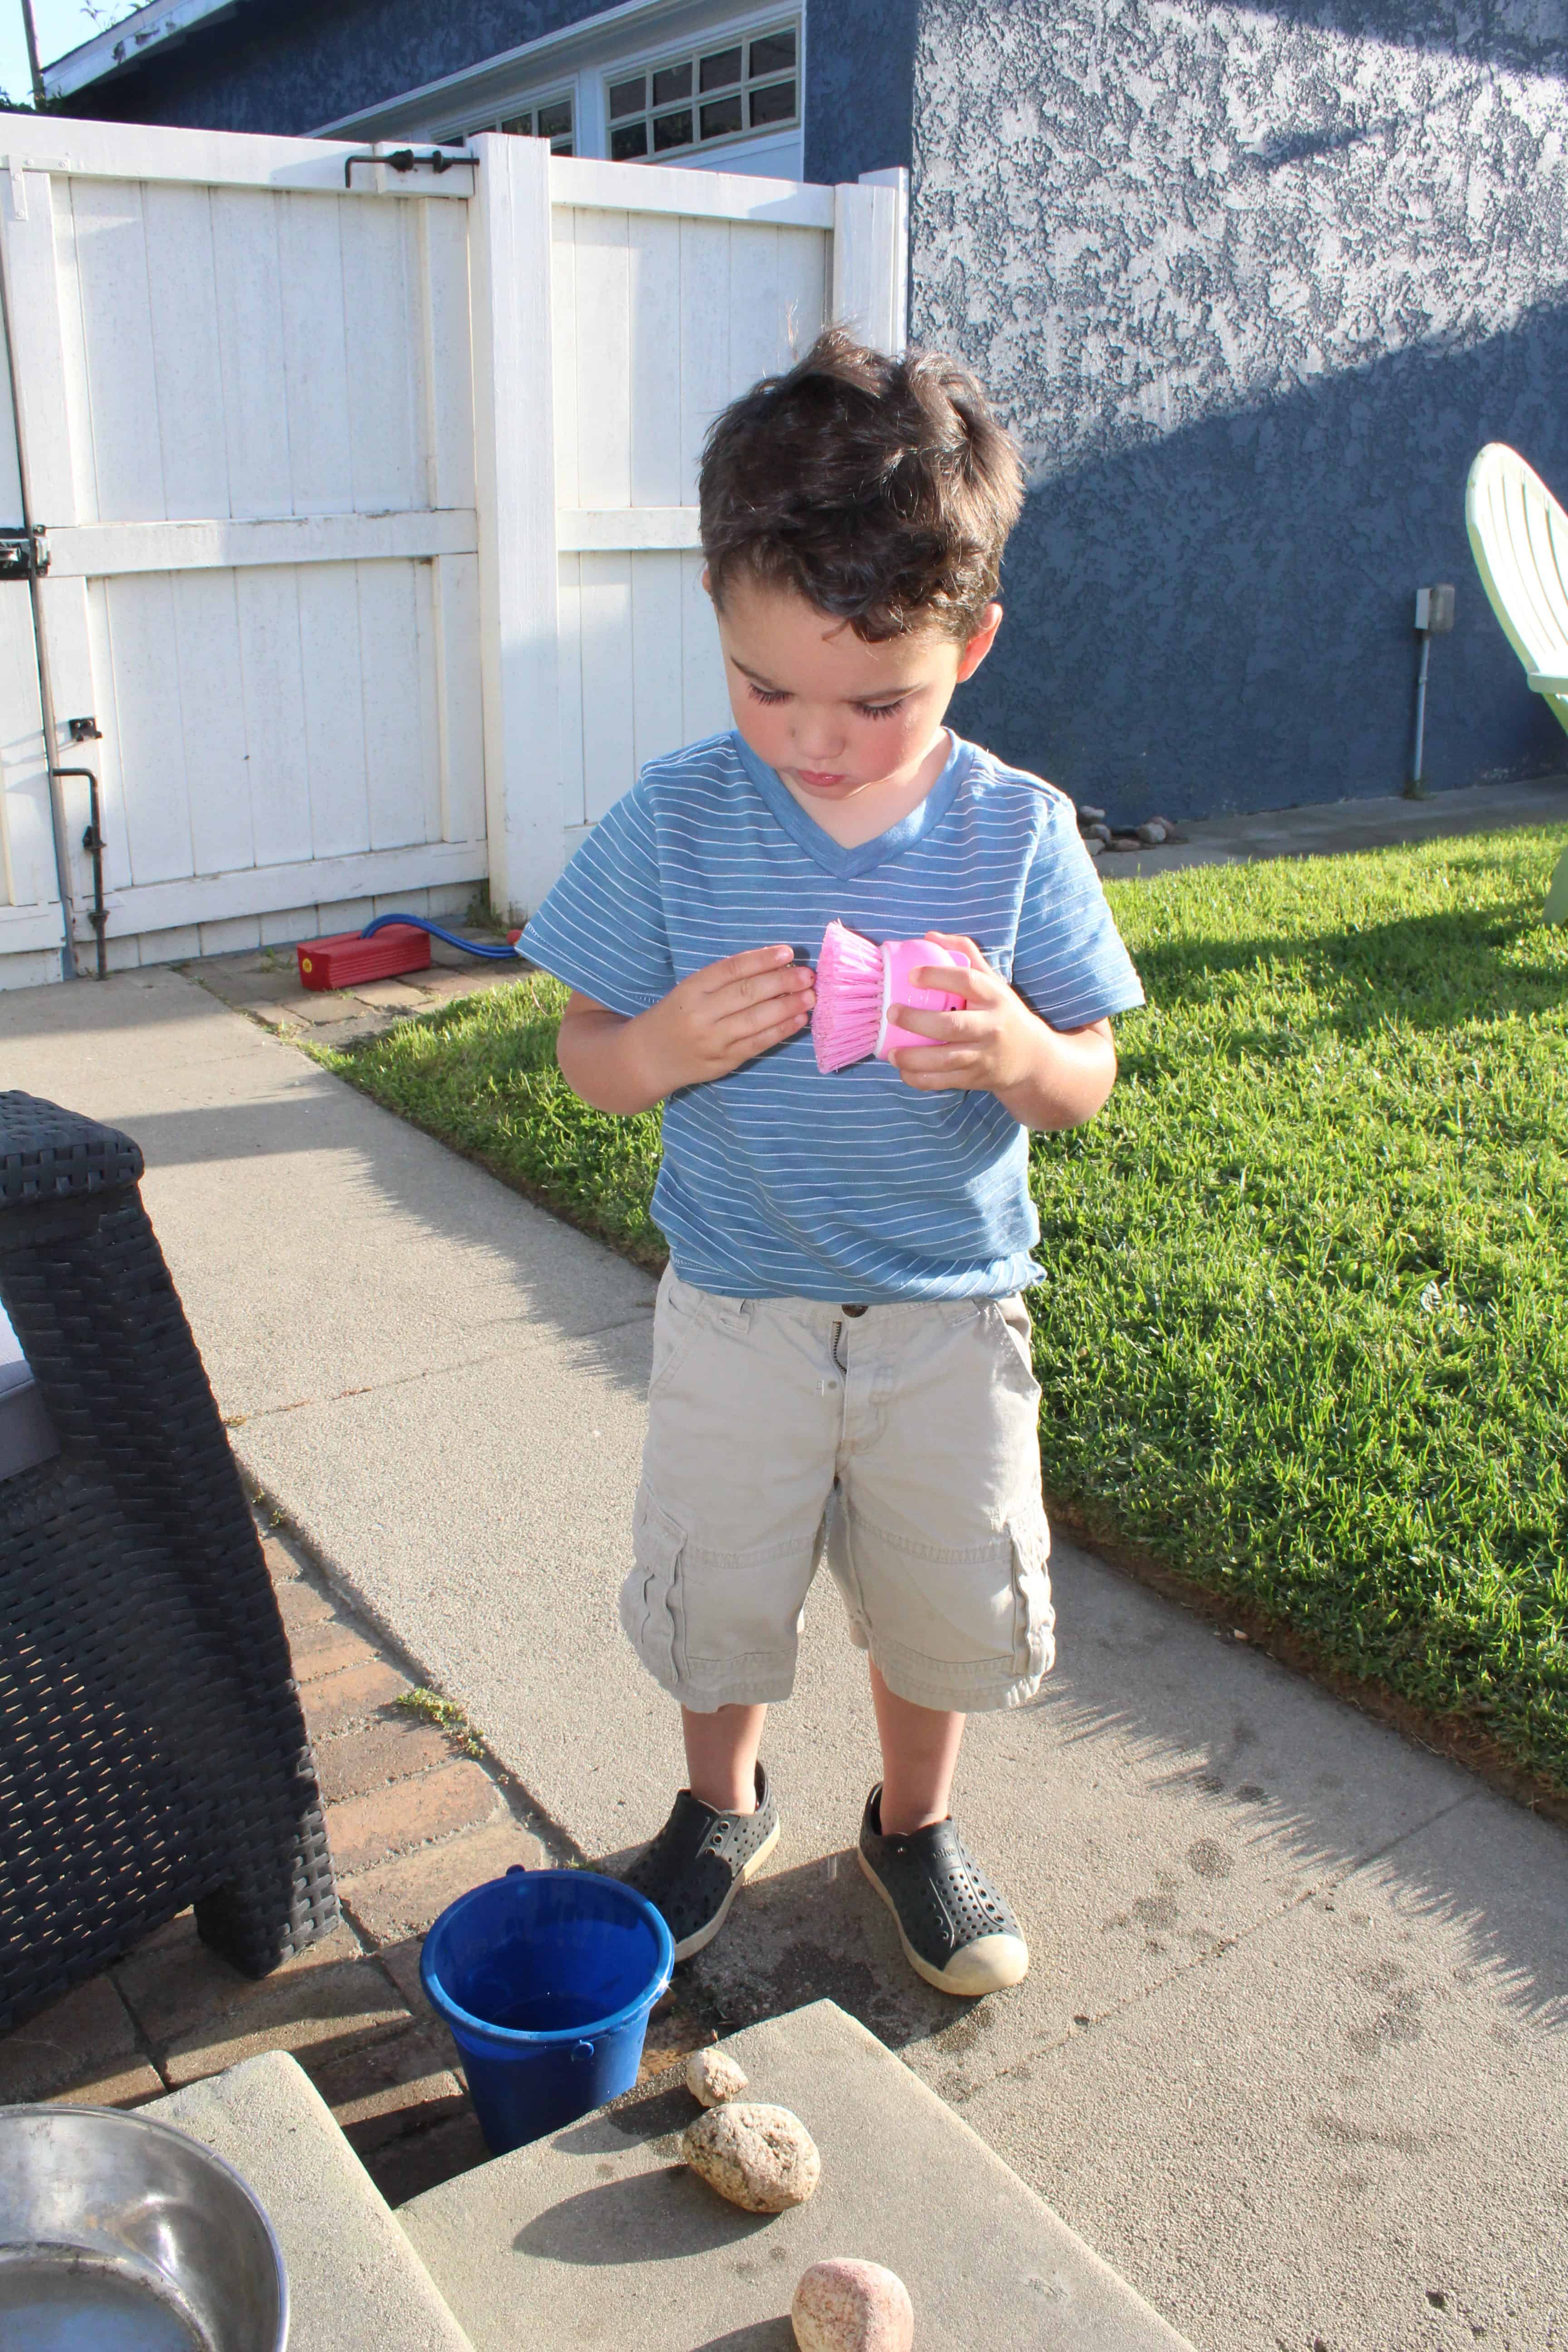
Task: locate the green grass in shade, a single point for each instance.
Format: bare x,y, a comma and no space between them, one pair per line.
1303,1336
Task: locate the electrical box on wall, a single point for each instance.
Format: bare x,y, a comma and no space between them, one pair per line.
1435,610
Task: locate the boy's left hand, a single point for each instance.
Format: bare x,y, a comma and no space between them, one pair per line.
993,1044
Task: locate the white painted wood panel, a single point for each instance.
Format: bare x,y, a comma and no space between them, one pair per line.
212,715
117,339
381,330
331,663
654,292
188,364
248,280
392,675
588,185
459,698
603,367
656,666
26,842
272,676
568,609
315,355
93,550
150,732
563,351
609,728
705,701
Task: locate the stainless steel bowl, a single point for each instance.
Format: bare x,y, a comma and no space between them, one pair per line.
118,2234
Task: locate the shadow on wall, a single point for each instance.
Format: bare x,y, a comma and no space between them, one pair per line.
1222,619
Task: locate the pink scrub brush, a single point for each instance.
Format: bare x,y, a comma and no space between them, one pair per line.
857,983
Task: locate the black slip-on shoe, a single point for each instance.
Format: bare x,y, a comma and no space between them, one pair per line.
956,1930
694,1868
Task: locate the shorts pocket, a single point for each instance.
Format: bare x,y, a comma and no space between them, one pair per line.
652,1610
1012,1333
678,1323
1034,1617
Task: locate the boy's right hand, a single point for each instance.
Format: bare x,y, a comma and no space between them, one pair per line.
723,1015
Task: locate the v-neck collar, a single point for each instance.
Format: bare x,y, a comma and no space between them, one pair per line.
832,856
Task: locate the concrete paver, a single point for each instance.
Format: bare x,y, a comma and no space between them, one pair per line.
444,1389
598,2234
353,2279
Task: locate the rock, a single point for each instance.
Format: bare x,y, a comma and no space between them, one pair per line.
1124,840
849,2306
761,2157
1152,834
712,2076
1088,817
1095,848
1100,833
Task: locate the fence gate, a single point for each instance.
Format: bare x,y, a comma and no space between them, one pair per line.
368,499
246,425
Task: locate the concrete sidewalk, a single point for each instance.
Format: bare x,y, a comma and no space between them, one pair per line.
1293,2055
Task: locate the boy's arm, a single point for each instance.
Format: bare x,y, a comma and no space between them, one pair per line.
709,1024
1046,1078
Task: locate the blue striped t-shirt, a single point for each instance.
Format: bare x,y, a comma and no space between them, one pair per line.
778,1182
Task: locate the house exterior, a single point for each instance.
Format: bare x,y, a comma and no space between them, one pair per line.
1252,285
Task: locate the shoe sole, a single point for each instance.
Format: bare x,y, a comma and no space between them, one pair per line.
990,1964
705,1936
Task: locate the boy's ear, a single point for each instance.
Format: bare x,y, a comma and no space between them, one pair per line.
980,643
707,582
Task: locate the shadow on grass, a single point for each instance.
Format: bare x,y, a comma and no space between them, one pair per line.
1429,973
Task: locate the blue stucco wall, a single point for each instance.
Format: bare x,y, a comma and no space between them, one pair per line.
859,86
1252,286
288,65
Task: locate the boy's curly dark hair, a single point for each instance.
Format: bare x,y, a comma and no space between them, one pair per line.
882,490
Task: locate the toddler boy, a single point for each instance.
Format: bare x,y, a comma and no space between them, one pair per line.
841,1357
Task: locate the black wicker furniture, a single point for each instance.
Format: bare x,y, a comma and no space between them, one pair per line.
152,1751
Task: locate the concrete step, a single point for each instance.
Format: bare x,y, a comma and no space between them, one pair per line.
599,2236
355,2280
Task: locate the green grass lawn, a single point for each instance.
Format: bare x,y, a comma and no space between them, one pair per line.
1304,1335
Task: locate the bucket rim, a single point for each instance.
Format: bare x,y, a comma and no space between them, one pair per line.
562,2036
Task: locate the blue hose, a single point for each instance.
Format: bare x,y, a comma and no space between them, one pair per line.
508,954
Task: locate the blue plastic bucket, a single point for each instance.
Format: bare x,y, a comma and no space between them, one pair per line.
546,1977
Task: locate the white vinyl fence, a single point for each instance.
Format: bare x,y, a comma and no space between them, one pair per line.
368,504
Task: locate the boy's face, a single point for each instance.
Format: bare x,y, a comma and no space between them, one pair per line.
834,716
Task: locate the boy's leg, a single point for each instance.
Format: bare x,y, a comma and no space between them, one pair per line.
920,1752
721,1756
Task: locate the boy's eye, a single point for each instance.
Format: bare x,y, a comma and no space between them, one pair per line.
878,710
768,694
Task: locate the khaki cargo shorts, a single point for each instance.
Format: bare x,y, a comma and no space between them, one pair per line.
902,1439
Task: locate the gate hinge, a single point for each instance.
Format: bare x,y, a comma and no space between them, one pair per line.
23,554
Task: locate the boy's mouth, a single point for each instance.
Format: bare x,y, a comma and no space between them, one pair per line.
818,781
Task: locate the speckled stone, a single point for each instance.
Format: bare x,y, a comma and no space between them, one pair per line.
712,2077
762,2158
845,2305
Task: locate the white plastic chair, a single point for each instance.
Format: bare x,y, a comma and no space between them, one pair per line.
1518,537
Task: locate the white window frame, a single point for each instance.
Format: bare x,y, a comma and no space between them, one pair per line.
526,101
738,34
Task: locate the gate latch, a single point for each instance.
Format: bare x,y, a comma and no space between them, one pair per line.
23,554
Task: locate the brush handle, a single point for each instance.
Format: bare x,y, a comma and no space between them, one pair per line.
899,959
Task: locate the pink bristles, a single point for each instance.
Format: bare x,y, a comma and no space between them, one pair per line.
849,1014
858,985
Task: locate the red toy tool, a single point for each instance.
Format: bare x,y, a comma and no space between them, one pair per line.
347,958
392,944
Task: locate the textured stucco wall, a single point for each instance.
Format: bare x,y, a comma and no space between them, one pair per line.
1253,286
288,65
859,86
